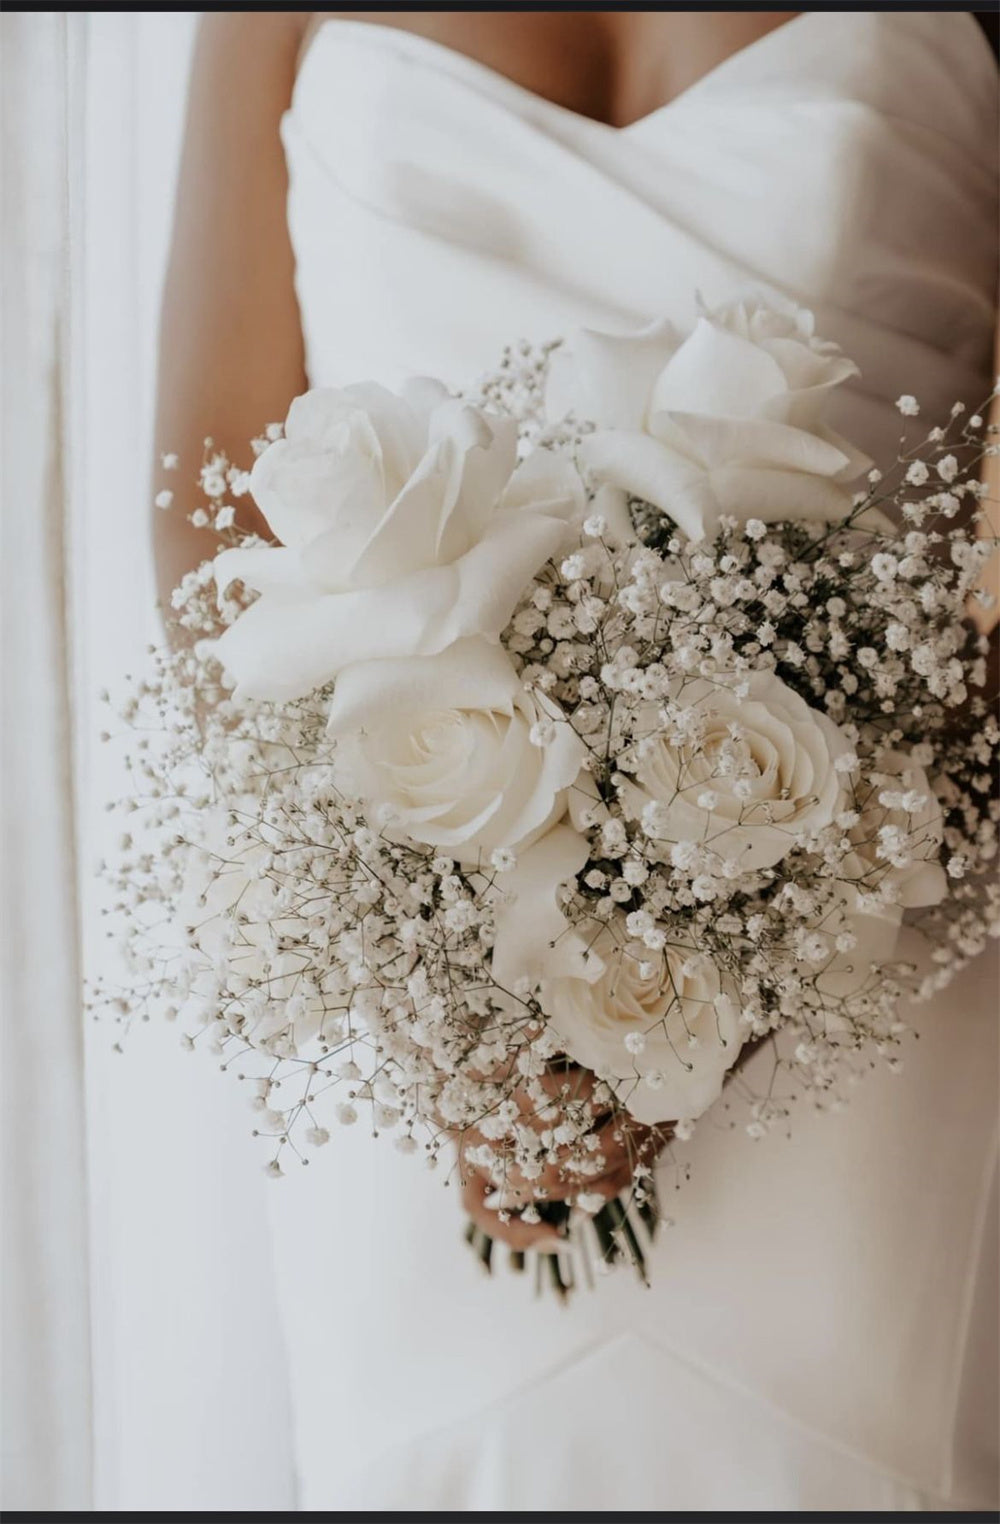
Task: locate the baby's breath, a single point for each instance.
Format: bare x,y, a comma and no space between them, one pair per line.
344,974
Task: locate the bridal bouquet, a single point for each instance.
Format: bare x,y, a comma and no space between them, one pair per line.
574,737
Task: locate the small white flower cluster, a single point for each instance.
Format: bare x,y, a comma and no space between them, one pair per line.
307,949
661,794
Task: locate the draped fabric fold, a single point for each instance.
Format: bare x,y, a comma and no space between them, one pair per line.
141,1363
46,1315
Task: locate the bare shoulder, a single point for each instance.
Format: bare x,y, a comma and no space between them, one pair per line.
258,48
245,62
231,350
241,33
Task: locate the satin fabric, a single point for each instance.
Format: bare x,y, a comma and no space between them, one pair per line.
817,1334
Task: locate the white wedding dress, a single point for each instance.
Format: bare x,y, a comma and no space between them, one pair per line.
819,1331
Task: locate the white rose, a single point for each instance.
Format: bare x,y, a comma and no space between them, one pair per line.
445,744
741,776
727,420
664,1036
404,526
899,845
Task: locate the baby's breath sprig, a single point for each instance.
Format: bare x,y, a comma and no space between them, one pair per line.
788,748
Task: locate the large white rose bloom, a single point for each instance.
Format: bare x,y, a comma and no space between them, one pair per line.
453,749
659,1027
728,420
405,524
743,776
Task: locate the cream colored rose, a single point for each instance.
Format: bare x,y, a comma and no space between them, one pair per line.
658,1026
743,776
453,749
405,525
897,841
728,420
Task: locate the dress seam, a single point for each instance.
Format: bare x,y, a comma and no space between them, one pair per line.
929,1498
793,1421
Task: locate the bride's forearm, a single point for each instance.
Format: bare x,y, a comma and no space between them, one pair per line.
986,615
231,353
983,612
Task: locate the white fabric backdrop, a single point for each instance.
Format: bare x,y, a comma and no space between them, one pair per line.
165,1388
46,1365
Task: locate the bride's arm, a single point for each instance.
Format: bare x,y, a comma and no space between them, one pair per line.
987,618
231,352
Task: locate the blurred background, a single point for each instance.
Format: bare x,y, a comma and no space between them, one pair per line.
142,1365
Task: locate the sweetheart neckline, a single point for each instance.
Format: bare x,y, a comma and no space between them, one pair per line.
455,62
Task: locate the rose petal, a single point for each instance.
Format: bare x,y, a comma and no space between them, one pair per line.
542,798
523,785
401,423
686,1092
593,1018
808,370
406,538
259,568
477,454
752,442
359,771
650,470
611,504
533,939
847,974
925,884
293,640
606,378
548,483
748,492
304,482
857,461
492,576
716,372
470,674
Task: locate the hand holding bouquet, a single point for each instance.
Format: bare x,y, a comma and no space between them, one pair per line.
575,736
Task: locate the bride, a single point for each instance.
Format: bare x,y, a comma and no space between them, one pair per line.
377,198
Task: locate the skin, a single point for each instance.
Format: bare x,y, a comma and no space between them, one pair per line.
231,347
987,619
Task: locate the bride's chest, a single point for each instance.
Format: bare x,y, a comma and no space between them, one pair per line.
437,208
820,146
611,67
